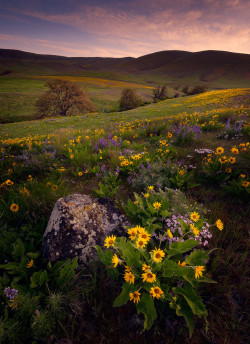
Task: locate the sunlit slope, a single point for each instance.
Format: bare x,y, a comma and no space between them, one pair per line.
208,105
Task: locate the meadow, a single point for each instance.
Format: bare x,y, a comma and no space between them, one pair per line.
180,170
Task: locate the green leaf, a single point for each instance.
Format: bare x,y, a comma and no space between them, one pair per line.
165,213
123,298
193,300
19,249
128,252
43,278
67,272
186,312
33,255
146,306
104,256
181,247
198,257
173,269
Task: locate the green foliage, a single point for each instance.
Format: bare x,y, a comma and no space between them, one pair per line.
109,188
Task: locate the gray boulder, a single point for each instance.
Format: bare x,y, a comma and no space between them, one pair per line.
78,222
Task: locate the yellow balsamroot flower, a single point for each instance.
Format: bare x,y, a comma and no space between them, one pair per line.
243,175
146,195
135,296
194,216
169,135
194,229
79,174
150,188
245,183
199,271
156,292
115,260
181,172
219,224
158,255
235,150
132,232
109,241
145,267
128,268
129,277
228,170
14,207
139,229
144,235
156,205
54,187
219,150
141,242
30,264
71,156
232,159
9,182
169,233
183,264
149,277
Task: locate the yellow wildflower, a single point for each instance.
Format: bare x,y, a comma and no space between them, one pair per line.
156,292
156,205
169,233
141,243
158,255
149,277
219,150
194,216
145,267
183,264
135,296
115,260
199,271
14,207
30,264
109,241
129,277
219,224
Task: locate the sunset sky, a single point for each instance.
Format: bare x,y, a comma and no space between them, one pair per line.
119,28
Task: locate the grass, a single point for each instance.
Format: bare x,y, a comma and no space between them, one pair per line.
87,301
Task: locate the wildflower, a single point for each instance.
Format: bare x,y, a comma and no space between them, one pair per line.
115,260
145,267
169,135
219,150
228,170
158,255
24,192
156,205
135,296
150,188
146,195
243,175
156,292
181,172
79,174
199,271
183,264
144,235
129,277
232,159
139,229
30,264
235,150
54,187
48,184
149,277
194,216
109,241
194,229
132,232
30,178
219,224
9,182
169,233
245,183
141,243
128,269
14,207
10,293
71,156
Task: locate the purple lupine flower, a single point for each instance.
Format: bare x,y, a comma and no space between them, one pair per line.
103,168
10,293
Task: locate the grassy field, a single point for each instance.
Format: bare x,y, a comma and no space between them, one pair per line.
161,145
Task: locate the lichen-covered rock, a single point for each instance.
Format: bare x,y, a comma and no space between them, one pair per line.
78,222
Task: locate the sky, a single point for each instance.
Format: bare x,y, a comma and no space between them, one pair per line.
120,28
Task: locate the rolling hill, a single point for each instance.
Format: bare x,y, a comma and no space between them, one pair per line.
218,69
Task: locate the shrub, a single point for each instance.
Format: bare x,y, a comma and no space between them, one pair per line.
63,98
129,100
160,93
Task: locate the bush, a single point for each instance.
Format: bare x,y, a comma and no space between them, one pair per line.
160,93
63,98
129,100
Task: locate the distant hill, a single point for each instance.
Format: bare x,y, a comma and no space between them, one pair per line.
215,68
